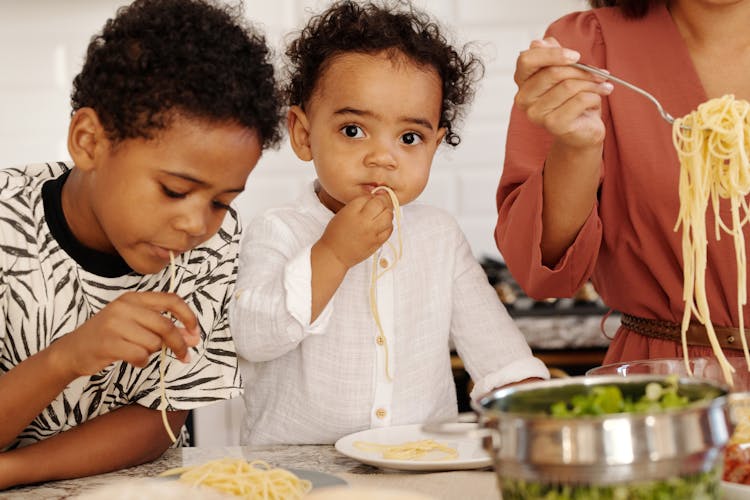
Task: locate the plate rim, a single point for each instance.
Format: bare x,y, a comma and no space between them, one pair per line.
471,463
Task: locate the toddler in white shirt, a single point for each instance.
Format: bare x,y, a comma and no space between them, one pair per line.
337,333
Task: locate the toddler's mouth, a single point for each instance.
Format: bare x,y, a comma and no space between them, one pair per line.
371,186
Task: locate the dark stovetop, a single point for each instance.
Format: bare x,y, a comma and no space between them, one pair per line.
585,302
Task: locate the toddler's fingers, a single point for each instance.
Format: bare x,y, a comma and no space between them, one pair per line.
378,205
383,235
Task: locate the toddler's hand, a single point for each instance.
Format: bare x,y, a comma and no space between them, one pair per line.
359,228
561,98
130,328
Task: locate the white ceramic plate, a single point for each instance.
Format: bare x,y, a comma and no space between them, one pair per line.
734,491
471,455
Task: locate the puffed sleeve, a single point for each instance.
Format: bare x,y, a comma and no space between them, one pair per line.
271,311
519,196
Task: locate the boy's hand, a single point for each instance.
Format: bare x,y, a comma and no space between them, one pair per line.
359,228
130,328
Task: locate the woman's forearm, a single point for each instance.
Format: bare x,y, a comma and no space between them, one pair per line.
125,437
571,180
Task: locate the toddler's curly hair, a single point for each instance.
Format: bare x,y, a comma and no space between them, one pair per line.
158,58
392,26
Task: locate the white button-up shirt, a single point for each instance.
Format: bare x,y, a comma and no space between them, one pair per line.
316,382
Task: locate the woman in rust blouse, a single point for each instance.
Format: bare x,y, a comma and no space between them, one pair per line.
589,188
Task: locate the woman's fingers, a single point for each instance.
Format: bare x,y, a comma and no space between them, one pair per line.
564,93
537,58
578,120
562,80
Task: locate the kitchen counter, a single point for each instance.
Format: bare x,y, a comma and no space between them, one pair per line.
464,485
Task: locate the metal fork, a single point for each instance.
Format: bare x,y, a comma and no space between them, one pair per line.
591,69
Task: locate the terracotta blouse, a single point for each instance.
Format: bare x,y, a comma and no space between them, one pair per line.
628,246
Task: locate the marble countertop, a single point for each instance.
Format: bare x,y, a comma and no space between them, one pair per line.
470,484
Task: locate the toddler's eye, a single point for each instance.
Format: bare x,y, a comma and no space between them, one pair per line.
411,138
353,131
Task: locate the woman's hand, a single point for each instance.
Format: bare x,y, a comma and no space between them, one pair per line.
359,228
566,101
130,328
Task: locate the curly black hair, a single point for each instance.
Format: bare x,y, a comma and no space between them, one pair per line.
395,27
158,58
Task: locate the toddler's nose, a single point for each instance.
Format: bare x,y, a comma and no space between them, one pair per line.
381,155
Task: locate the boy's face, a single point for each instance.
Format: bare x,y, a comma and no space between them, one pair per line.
372,120
143,198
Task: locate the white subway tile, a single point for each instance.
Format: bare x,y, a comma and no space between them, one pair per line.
514,12
441,190
479,233
476,191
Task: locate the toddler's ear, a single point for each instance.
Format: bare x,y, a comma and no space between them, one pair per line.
299,132
86,137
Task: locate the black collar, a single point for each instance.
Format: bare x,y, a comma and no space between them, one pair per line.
93,261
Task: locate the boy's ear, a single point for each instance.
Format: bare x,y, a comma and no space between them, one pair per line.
299,132
86,138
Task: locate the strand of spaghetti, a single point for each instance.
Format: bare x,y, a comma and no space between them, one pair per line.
238,477
712,146
375,275
162,361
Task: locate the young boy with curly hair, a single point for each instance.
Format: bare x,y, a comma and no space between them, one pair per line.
339,332
165,129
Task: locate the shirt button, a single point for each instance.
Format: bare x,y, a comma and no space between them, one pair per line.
384,263
380,340
380,413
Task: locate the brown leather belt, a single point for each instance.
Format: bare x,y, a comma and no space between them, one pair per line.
729,337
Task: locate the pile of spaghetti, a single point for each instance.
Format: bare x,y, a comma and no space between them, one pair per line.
412,450
712,144
238,477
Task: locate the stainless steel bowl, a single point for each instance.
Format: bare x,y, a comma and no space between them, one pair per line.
528,444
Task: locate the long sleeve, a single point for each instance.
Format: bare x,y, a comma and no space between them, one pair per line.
271,308
519,196
490,345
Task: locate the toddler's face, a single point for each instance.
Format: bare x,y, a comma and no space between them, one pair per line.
170,193
373,121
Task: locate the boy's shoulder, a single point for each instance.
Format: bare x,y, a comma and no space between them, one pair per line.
14,181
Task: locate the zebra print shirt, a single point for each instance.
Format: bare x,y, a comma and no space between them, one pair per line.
45,294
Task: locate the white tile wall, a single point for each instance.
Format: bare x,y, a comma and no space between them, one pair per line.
42,43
